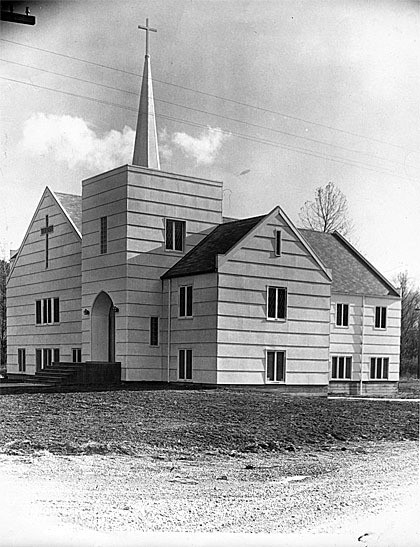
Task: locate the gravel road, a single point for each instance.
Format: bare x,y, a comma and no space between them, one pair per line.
331,493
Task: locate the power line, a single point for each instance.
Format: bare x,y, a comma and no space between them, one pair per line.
312,153
258,126
247,105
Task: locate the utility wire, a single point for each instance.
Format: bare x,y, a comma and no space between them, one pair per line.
258,126
312,153
210,95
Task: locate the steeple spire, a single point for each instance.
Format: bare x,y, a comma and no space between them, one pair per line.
146,152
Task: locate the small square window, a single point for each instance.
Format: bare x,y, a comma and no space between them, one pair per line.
342,315
276,366
276,303
380,317
47,311
175,235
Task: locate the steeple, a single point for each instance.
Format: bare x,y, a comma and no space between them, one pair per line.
146,152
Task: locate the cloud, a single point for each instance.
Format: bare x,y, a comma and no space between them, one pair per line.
71,140
165,151
204,148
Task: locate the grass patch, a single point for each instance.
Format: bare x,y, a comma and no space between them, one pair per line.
195,420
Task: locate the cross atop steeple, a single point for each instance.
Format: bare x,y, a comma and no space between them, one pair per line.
147,29
146,153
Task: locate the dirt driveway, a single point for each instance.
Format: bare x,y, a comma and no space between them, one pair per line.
366,490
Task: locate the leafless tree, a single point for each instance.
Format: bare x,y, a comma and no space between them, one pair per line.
410,322
328,212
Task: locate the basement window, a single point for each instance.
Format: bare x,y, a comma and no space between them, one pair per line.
76,355
275,366
22,359
185,364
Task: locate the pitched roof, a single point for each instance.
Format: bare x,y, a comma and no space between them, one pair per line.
202,258
73,206
351,272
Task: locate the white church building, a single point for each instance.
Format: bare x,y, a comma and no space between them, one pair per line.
143,270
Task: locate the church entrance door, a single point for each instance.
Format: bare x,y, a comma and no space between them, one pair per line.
103,329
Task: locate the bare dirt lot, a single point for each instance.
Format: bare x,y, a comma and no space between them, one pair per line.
215,461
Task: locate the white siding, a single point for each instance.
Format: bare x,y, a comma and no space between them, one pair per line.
31,281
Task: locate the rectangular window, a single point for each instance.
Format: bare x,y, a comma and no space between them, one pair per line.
47,311
104,235
175,235
46,357
154,331
379,368
56,355
278,242
341,367
342,315
276,303
276,366
22,359
38,359
76,355
185,301
185,364
380,317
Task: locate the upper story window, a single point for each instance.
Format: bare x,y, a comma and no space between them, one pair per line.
104,235
379,368
276,366
175,235
342,315
47,311
185,301
341,367
276,303
278,243
380,317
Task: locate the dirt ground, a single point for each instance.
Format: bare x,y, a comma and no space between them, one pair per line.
333,497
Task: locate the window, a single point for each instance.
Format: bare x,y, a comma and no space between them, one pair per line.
276,303
185,301
154,331
185,364
175,235
45,357
278,242
22,359
77,355
342,315
104,235
341,368
276,366
380,317
379,368
47,311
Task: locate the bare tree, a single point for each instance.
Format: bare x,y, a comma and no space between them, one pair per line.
410,324
328,212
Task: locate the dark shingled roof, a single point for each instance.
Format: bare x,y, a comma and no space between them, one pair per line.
351,273
202,258
73,206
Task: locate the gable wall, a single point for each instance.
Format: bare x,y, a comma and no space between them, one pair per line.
30,281
244,333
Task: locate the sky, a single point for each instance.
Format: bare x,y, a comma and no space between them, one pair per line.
274,98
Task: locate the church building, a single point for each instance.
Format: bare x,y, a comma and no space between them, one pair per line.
143,270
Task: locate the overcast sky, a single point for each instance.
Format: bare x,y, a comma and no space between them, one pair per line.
273,98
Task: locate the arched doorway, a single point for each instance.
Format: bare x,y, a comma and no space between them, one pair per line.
103,329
